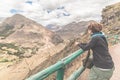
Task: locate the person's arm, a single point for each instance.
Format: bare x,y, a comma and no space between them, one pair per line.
89,45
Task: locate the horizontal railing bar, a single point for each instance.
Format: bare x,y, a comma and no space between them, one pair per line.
44,73
72,56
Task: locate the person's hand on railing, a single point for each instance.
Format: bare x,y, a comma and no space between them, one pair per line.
81,45
76,43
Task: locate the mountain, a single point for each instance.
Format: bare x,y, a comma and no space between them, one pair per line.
24,46
46,54
21,30
73,30
23,52
111,18
21,37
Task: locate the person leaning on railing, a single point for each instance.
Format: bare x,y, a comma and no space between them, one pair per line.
103,65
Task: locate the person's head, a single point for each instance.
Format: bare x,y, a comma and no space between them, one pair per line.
94,27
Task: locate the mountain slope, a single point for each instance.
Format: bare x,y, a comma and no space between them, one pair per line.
111,22
73,29
22,30
24,45
111,18
22,37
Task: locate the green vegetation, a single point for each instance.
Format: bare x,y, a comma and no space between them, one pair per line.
18,51
11,49
9,45
4,60
34,50
6,30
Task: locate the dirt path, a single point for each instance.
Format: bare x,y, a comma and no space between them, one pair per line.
115,53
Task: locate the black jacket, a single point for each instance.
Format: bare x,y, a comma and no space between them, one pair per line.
101,56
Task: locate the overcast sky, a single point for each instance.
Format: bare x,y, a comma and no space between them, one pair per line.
55,11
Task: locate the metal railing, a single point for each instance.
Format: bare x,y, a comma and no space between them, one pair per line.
60,67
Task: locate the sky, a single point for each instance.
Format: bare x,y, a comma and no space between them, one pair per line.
58,12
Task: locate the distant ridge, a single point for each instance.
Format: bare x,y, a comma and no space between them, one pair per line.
73,30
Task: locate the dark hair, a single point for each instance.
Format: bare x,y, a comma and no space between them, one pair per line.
95,27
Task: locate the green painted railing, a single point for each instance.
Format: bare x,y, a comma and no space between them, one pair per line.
76,74
59,67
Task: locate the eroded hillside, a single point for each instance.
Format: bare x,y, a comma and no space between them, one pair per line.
22,37
22,40
111,22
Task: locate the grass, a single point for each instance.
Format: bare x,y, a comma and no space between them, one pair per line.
4,60
8,46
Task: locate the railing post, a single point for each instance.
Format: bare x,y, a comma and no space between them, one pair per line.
77,73
59,67
60,74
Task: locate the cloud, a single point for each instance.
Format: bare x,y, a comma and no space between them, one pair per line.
55,11
52,4
29,2
6,6
14,11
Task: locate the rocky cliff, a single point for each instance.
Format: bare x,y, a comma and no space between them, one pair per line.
111,18
111,22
